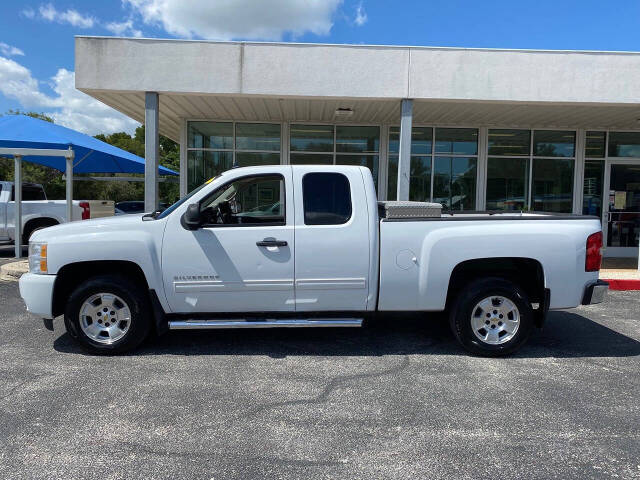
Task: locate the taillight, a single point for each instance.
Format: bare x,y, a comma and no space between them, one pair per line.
86,210
594,252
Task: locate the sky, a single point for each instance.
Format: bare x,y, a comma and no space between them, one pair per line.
37,37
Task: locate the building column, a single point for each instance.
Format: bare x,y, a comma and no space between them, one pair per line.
404,161
69,183
383,163
151,151
578,184
184,186
481,181
17,200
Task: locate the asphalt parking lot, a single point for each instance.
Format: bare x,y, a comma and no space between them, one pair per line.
398,400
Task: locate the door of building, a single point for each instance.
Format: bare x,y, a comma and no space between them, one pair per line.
621,213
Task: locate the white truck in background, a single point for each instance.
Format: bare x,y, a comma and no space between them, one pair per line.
309,246
38,212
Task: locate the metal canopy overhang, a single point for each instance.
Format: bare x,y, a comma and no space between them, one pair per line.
176,107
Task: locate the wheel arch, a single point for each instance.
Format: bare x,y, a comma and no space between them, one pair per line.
527,273
73,274
37,222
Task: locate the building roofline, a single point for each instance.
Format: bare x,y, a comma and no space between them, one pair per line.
373,46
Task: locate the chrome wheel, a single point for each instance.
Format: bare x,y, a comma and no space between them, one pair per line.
495,320
105,318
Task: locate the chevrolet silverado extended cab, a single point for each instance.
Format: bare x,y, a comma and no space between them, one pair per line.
38,212
308,245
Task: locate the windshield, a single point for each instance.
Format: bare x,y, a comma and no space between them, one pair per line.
168,211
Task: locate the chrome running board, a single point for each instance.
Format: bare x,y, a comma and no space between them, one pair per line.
267,323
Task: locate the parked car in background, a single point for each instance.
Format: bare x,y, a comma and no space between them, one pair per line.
133,206
38,212
233,255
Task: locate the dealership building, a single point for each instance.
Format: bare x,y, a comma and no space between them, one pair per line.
473,129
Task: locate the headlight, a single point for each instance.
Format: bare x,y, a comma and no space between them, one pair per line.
37,257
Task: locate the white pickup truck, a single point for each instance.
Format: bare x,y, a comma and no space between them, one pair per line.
38,212
295,246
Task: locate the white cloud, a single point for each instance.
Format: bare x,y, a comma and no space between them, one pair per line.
72,17
16,82
68,107
9,50
29,13
232,19
123,28
361,16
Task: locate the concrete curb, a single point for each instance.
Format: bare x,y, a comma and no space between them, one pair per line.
13,271
622,284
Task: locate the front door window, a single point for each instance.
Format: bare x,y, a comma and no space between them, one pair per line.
624,206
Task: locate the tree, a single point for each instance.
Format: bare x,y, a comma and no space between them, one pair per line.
169,157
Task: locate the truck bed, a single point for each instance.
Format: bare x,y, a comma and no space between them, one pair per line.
418,256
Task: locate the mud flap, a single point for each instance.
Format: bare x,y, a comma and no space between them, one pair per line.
540,314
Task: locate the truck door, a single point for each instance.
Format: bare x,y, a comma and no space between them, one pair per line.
332,240
241,258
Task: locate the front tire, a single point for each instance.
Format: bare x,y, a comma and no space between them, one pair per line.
108,314
491,317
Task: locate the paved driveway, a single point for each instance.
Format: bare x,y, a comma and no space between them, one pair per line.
396,400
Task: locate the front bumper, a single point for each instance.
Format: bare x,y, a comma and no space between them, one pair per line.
595,293
37,292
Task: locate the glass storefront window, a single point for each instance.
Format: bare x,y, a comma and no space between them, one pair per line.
450,174
214,135
203,165
311,138
258,136
419,179
369,161
508,179
623,228
454,182
624,144
392,178
510,142
457,141
210,148
507,183
421,140
552,185
593,181
356,139
311,159
420,176
554,143
249,159
595,145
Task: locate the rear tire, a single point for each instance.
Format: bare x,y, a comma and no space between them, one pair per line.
491,317
108,314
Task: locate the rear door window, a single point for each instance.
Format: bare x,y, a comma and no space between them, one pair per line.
29,193
326,198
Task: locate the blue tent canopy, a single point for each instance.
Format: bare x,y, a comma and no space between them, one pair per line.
91,154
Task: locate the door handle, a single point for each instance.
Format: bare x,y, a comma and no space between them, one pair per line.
272,243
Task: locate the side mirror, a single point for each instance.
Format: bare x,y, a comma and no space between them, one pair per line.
191,218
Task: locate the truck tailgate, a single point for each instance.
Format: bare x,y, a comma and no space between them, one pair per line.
101,208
